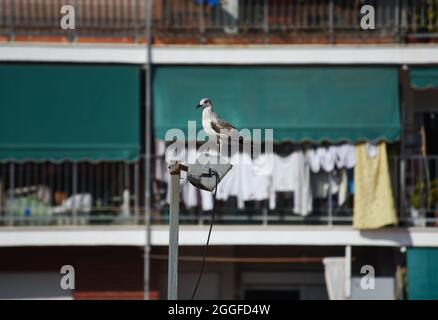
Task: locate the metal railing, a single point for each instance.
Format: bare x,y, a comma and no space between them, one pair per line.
418,191
423,18
216,21
280,18
69,193
86,193
111,18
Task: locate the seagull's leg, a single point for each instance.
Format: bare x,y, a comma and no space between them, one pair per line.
218,145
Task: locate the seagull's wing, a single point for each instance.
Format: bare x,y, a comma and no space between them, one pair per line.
218,124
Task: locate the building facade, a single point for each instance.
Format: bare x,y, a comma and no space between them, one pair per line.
72,147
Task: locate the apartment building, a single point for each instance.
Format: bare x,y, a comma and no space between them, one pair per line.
360,106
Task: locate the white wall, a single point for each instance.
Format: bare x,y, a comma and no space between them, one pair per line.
186,54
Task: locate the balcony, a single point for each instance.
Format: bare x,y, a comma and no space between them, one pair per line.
222,22
111,193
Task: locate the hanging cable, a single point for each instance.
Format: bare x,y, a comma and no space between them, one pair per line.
208,239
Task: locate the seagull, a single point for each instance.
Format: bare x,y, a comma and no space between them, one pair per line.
214,126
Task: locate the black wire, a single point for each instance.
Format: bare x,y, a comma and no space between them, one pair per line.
208,239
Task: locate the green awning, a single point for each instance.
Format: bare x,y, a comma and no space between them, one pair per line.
300,103
69,112
422,273
424,77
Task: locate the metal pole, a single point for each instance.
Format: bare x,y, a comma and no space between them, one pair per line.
137,29
266,21
137,192
406,104
172,282
201,23
402,187
75,192
330,200
11,20
11,187
397,21
404,20
347,272
148,142
74,35
331,22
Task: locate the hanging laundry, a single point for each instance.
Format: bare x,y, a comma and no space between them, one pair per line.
343,187
211,3
283,177
373,199
227,183
259,179
345,156
335,275
230,184
303,194
248,180
314,159
327,158
160,162
350,177
322,158
207,203
262,168
284,173
323,185
245,178
292,174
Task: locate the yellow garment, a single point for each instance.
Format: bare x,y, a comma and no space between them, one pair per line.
373,199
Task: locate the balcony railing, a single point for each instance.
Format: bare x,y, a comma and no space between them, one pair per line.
90,193
223,21
418,190
69,193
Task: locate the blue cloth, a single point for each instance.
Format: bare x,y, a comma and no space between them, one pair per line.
211,3
350,174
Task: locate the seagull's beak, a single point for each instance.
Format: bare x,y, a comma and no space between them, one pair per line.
198,106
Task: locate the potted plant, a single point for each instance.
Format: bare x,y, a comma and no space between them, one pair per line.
423,199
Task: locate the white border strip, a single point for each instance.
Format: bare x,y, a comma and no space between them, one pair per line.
272,54
222,235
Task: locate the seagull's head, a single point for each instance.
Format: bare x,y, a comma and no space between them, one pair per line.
204,103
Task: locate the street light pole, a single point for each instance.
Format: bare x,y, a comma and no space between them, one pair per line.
148,144
172,277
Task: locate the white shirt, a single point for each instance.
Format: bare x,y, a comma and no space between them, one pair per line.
292,174
261,181
284,173
345,157
314,158
328,158
229,186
